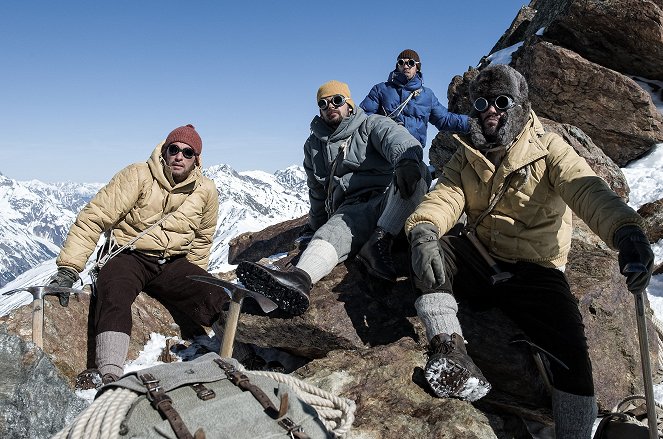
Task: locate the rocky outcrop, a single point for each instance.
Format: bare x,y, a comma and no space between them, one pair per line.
653,216
358,333
36,401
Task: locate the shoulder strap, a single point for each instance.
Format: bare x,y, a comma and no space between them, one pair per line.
398,110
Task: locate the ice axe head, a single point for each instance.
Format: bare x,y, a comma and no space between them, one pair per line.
237,293
39,292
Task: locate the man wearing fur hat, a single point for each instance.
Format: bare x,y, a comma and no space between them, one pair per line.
162,215
518,186
405,99
365,177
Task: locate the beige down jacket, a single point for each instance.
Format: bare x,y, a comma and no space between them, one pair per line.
137,197
532,221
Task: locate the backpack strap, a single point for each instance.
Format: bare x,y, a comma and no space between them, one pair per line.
242,381
164,405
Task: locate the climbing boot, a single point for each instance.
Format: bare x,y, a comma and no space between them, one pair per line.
88,379
109,378
288,289
376,255
451,373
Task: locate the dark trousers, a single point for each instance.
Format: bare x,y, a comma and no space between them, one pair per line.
536,298
127,274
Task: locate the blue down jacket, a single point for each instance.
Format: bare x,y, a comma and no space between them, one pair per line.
423,108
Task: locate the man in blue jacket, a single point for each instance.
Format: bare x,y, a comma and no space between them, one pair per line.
405,99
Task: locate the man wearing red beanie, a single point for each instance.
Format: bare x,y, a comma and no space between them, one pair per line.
159,219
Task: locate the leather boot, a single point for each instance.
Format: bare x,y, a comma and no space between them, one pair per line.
288,289
376,255
451,373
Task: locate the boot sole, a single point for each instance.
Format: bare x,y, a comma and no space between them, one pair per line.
258,279
467,388
375,273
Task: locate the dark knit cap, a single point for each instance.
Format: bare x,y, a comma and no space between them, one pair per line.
409,54
186,134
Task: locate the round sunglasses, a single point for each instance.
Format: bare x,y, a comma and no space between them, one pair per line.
502,102
410,62
187,152
336,101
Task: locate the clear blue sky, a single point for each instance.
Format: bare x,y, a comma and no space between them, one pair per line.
91,86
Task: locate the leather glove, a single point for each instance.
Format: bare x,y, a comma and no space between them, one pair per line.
634,248
427,259
65,277
407,175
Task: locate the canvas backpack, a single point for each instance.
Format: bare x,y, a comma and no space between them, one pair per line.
211,397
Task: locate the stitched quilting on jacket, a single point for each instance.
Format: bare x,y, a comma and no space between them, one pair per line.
137,197
370,147
532,221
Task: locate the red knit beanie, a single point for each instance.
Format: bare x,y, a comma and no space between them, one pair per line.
409,54
186,134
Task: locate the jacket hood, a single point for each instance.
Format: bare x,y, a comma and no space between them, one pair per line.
399,80
348,125
161,172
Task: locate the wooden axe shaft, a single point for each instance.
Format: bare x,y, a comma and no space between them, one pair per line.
38,322
230,329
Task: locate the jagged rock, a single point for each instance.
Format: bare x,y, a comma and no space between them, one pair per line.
246,248
65,329
623,35
610,107
35,399
391,396
443,147
653,216
349,317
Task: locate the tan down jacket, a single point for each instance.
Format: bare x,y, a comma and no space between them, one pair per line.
137,197
533,222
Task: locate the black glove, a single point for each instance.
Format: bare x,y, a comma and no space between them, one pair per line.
634,249
407,175
65,277
427,259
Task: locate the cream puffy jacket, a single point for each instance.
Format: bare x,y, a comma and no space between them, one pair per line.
137,197
532,221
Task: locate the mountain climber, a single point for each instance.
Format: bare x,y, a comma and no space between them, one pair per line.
365,176
405,99
166,211
518,186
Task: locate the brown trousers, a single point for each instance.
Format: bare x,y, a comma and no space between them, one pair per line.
127,274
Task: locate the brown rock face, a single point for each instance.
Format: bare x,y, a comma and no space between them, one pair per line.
611,108
653,216
65,329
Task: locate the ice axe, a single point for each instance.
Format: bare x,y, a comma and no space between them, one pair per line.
644,350
38,294
499,275
237,295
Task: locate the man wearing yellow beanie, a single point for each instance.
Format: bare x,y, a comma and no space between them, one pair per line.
365,176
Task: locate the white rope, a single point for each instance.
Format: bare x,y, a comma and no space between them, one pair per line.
102,419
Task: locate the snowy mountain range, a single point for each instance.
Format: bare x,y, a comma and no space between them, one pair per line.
35,216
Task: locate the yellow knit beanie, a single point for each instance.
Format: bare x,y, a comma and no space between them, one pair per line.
335,87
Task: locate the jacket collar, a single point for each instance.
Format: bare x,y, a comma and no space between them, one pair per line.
348,126
399,80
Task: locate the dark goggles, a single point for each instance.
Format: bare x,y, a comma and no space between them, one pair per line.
336,101
187,152
502,102
410,62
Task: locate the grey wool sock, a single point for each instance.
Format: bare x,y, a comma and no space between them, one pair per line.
574,415
112,349
398,209
437,312
318,259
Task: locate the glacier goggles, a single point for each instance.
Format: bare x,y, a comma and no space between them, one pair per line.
407,62
502,102
187,152
336,101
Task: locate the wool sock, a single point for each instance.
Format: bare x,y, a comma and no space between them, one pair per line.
574,415
112,349
437,312
398,209
318,259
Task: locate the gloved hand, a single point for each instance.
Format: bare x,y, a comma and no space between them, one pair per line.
634,248
65,277
427,259
407,175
